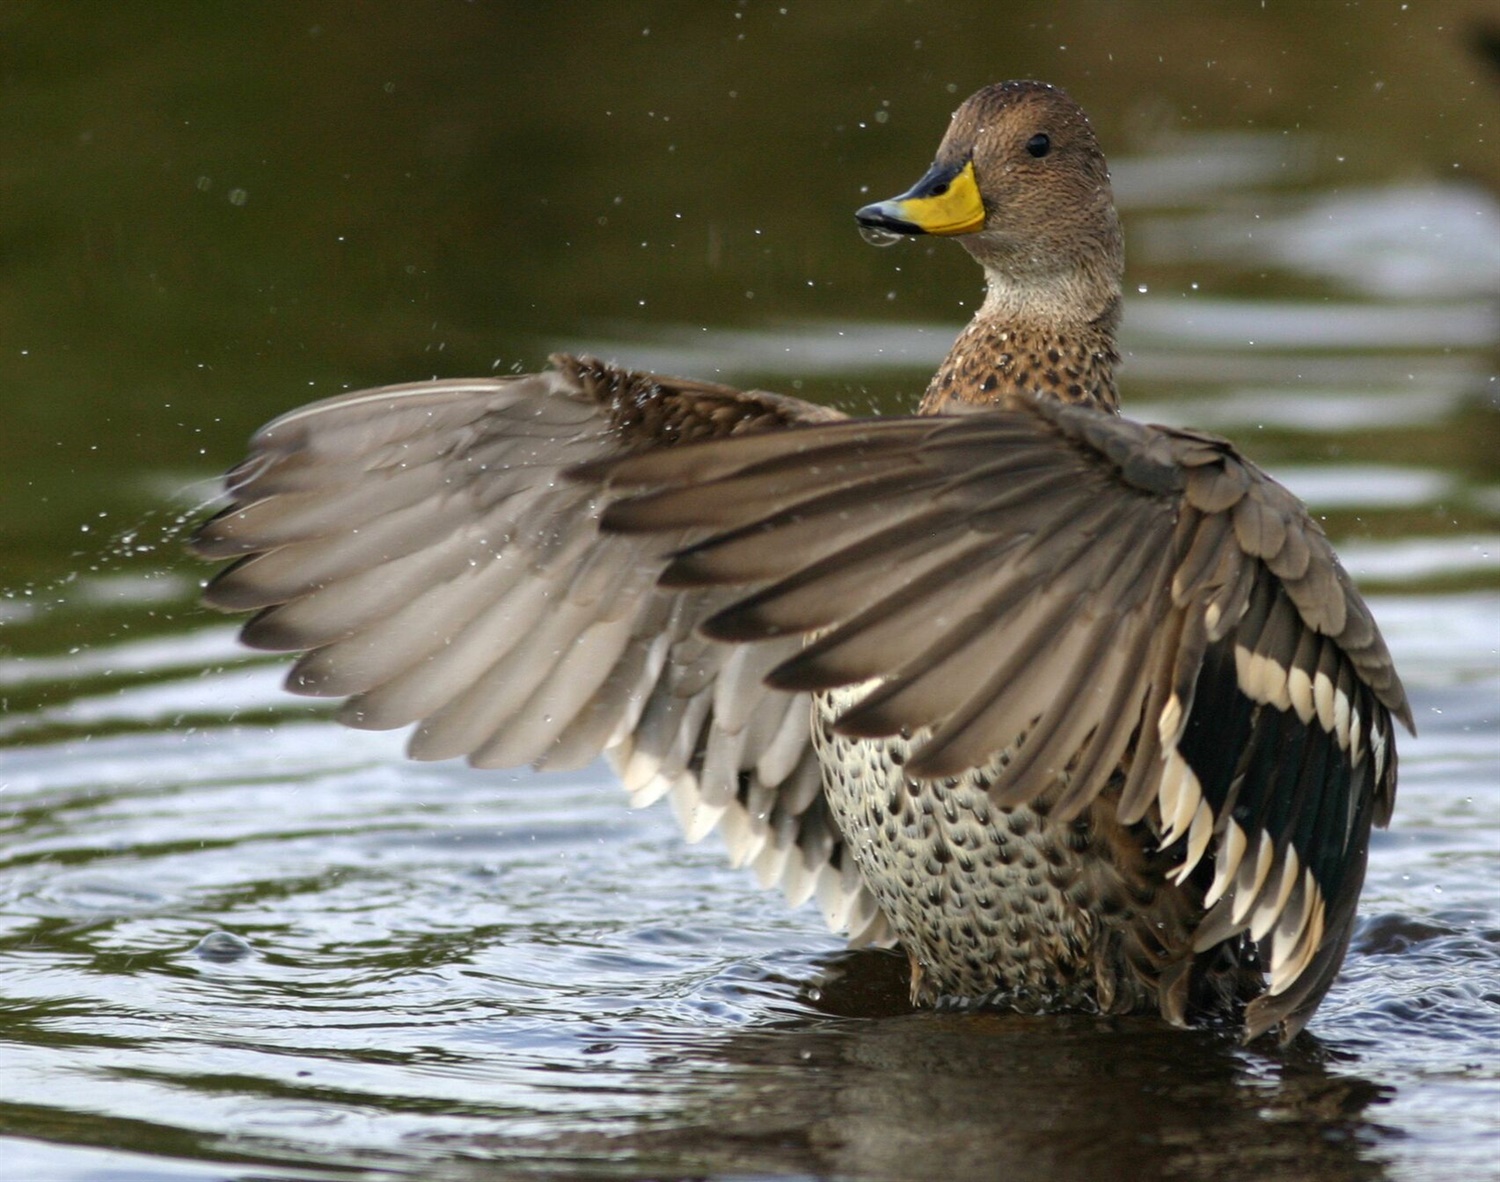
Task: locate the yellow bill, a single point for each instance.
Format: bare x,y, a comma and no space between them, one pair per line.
945,201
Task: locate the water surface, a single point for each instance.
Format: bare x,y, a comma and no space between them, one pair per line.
237,941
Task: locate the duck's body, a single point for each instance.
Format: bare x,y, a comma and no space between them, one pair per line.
1082,713
1003,905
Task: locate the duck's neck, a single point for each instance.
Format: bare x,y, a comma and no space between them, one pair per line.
1006,350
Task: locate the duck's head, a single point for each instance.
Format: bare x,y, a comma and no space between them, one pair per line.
1021,182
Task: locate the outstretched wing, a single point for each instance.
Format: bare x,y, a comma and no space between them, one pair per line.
1094,596
419,546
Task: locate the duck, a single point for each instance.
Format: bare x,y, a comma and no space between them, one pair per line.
1082,714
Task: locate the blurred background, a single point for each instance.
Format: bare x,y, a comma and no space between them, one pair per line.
211,212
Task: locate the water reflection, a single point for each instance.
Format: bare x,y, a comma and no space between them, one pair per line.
979,1096
1432,241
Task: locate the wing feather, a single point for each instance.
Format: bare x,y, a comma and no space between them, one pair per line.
1095,596
419,546
539,569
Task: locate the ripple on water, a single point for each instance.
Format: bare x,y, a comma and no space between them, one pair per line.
284,939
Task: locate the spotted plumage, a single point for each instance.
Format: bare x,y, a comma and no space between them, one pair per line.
1082,713
960,877
990,359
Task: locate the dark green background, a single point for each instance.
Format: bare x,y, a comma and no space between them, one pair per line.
441,188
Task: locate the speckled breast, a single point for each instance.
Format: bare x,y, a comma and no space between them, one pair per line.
997,904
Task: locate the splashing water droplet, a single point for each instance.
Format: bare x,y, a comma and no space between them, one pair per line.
875,236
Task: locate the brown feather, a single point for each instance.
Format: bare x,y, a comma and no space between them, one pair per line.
1035,630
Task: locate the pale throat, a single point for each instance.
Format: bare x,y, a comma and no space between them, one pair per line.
1065,301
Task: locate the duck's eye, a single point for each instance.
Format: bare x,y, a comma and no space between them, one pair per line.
1040,144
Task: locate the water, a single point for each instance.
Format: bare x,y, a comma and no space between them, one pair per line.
237,941
277,943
